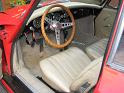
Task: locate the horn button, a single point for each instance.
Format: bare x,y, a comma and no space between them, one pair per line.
56,25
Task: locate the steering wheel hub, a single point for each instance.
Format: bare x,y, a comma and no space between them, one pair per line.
55,26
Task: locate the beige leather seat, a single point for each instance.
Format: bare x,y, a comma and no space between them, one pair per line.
97,49
69,70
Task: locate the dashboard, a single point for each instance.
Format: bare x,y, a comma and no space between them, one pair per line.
62,16
34,23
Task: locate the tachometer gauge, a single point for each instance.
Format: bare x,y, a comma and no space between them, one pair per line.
37,23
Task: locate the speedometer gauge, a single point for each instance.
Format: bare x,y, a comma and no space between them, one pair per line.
37,23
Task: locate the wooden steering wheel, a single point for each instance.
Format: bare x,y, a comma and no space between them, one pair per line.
57,27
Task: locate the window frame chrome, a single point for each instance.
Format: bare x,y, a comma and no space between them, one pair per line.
115,45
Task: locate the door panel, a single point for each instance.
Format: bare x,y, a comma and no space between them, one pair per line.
104,22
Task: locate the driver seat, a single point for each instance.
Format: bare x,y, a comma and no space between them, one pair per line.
70,69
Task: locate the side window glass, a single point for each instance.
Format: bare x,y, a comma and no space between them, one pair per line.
119,56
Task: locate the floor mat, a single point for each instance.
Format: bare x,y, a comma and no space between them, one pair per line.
32,56
84,35
82,41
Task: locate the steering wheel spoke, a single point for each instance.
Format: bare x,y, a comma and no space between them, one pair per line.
58,36
66,25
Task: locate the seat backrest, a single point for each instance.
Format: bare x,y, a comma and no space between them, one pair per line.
90,74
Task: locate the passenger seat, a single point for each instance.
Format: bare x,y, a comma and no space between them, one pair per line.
97,49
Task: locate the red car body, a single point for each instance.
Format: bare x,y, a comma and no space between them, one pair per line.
110,80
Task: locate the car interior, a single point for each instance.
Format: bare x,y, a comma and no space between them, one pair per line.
62,46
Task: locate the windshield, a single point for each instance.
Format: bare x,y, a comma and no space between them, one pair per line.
61,1
8,4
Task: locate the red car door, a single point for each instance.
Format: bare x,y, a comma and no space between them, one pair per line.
14,21
112,75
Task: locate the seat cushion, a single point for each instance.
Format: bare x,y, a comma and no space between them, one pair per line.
60,70
97,49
